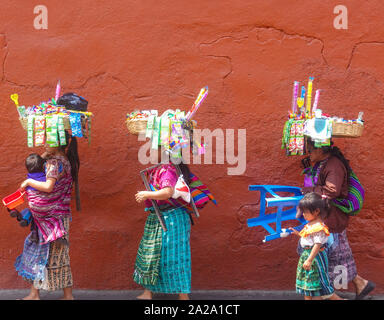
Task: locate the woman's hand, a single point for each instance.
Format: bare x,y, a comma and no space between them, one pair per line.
141,196
24,184
307,264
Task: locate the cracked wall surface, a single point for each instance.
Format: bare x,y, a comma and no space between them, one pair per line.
124,55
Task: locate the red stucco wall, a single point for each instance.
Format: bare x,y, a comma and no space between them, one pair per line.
123,55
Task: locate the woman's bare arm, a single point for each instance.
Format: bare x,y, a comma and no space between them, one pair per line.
162,194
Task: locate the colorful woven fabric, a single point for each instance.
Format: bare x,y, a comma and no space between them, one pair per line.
48,209
148,255
313,282
354,201
59,274
175,261
340,254
32,262
199,192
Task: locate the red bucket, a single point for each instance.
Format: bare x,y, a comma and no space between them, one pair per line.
13,200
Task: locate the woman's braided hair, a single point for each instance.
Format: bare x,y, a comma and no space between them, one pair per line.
72,154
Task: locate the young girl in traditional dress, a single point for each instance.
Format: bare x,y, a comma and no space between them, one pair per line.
312,279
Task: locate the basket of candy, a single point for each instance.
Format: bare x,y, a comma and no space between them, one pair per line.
48,121
137,121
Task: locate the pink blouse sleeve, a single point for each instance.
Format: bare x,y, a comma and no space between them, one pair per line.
168,178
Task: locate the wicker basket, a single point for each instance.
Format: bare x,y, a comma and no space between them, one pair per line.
137,126
347,130
24,123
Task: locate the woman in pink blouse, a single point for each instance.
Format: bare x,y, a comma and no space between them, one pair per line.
61,170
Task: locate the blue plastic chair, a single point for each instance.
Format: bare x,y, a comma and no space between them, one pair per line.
280,215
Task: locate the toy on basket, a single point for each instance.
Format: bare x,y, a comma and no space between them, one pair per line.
173,129
311,121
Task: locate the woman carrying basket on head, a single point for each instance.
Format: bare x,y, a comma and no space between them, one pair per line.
163,262
47,265
329,177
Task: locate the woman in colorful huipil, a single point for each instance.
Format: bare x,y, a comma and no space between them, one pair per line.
163,262
46,265
57,190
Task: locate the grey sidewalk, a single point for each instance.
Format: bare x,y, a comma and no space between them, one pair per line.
195,295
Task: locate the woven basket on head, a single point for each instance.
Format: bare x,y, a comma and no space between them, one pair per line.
347,130
24,123
137,126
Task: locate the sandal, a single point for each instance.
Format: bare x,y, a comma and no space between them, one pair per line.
367,289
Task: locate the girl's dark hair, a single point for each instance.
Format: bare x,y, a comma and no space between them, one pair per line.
312,201
72,154
334,151
34,163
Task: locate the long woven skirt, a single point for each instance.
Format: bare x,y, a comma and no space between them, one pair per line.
340,257
58,274
163,262
313,282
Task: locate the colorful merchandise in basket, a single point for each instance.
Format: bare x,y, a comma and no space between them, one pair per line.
306,119
137,120
173,129
46,123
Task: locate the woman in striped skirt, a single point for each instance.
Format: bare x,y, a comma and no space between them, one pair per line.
163,262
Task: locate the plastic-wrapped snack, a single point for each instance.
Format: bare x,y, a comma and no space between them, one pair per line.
299,128
61,131
292,131
39,138
299,145
156,133
30,123
165,132
75,121
292,146
39,127
150,126
51,124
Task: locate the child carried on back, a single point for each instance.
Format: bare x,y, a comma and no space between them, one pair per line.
50,227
